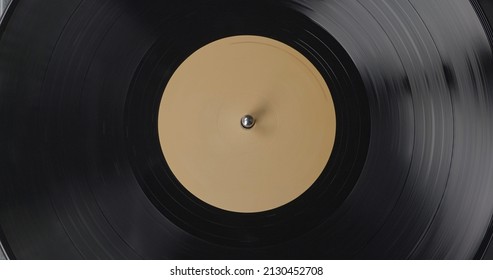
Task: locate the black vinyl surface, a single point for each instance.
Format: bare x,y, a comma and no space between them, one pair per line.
82,174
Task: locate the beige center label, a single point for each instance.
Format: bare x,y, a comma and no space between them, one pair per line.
247,170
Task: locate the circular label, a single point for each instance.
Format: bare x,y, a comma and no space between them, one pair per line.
247,124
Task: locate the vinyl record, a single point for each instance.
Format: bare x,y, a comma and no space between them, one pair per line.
250,129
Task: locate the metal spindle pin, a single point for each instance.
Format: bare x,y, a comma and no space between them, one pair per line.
247,121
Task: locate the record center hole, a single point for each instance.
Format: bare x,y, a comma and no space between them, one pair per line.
247,121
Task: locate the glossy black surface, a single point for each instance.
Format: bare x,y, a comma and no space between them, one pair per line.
81,177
